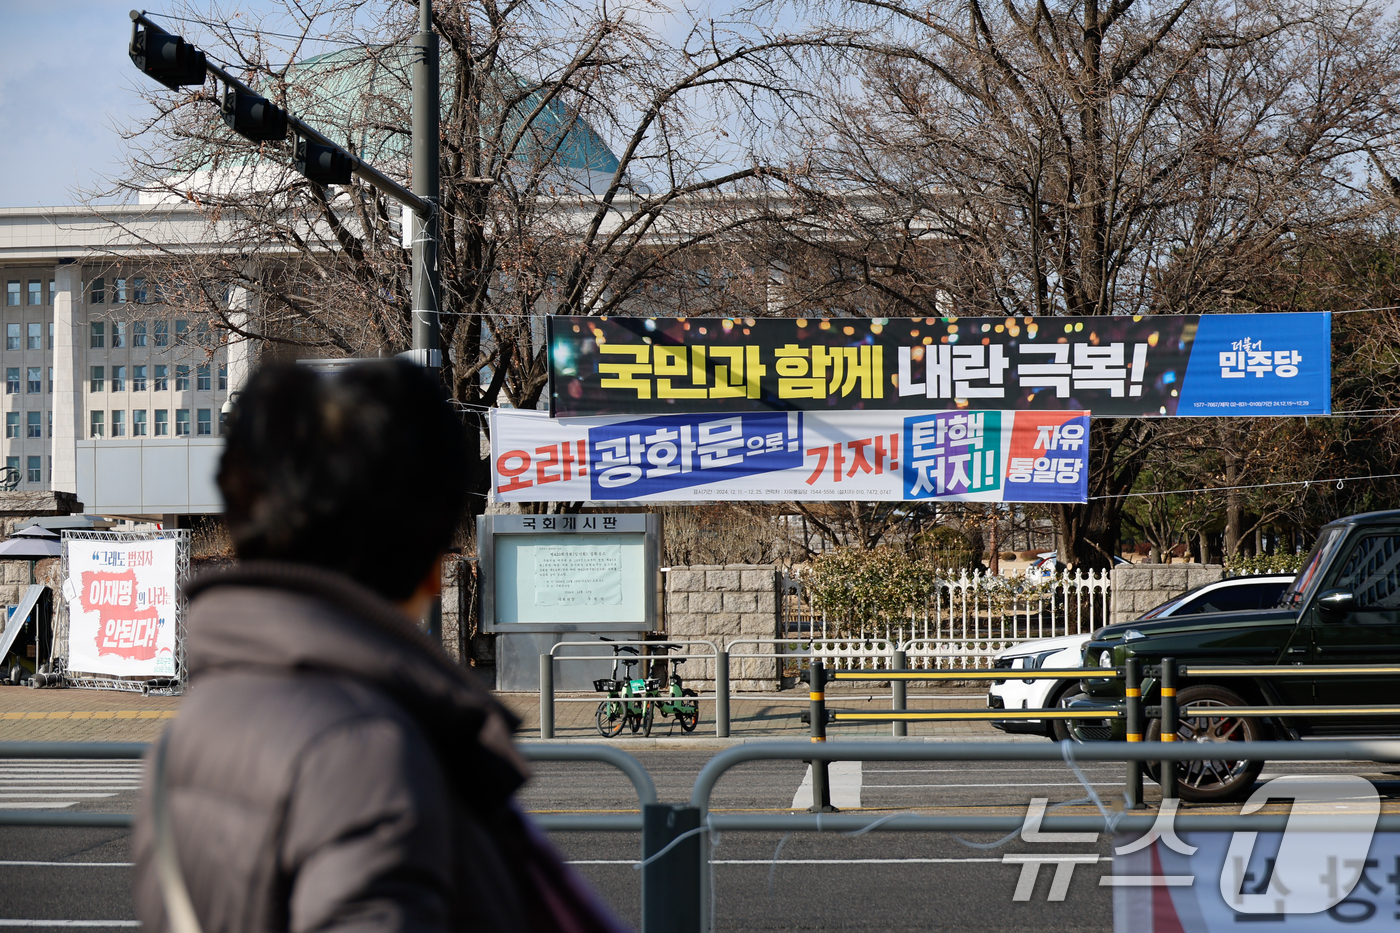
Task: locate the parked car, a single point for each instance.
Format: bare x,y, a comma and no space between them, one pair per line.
1343,609
1232,595
1047,564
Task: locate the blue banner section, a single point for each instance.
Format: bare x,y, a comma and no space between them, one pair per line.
631,459
1259,364
952,454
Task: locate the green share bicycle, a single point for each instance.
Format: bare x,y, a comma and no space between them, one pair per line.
633,702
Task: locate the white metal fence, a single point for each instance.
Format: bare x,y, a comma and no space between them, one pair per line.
966,620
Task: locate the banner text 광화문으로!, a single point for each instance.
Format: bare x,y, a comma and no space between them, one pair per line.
977,456
1117,366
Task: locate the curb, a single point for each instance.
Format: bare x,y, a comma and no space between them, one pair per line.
703,744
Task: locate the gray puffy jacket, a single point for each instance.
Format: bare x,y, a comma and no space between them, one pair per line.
332,769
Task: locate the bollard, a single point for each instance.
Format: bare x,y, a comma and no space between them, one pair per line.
899,691
821,785
546,696
1132,710
1169,726
722,693
671,898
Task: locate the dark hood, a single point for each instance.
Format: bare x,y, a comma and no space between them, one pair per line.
265,616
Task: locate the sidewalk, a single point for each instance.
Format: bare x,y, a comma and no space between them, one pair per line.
68,715
775,716
71,715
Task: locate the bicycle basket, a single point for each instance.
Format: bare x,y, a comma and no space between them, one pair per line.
606,685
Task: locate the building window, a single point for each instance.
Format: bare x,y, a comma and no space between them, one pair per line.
201,333
52,283
138,290
98,294
118,334
12,293
182,333
182,422
98,376
162,422
162,333
138,333
36,292
119,292
223,377
97,335
51,435
204,425
201,377
51,380
162,381
12,424
138,422
50,328
35,337
12,380
12,463
119,424
36,469
35,383
138,379
118,378
11,336
96,424
34,424
182,378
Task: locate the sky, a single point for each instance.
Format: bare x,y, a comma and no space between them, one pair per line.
63,93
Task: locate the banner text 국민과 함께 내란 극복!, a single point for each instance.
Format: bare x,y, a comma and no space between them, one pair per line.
121,607
975,456
1116,366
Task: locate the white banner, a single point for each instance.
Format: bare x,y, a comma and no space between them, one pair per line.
121,607
979,456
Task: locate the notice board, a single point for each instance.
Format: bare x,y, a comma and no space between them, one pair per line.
568,573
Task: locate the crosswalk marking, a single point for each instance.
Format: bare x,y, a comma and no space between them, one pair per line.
55,784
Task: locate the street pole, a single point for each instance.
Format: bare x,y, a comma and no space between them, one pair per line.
427,330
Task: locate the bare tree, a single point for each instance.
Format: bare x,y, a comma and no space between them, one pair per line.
595,160
1091,158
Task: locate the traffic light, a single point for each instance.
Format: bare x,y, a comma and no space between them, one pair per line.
169,59
254,117
325,165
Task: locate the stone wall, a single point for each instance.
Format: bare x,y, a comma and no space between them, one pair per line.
1139,587
720,604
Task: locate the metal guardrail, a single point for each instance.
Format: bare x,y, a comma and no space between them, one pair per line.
675,868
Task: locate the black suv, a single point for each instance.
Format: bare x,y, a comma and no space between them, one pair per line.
1342,609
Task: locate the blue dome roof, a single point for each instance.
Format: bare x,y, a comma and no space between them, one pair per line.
370,88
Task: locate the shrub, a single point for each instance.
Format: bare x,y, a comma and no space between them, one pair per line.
1264,563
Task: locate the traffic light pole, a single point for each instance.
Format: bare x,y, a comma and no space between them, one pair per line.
368,173
427,328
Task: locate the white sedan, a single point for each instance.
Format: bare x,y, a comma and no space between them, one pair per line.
1232,595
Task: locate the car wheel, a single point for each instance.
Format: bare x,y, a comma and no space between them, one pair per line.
1078,730
1214,780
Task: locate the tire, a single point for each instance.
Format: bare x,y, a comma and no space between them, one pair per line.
1078,730
1216,780
610,719
648,715
689,715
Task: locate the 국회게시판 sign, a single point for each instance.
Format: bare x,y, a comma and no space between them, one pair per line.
980,456
1154,366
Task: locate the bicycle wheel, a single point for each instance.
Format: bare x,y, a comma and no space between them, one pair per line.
648,714
688,714
610,719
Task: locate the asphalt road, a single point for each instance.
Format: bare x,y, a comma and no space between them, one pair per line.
884,882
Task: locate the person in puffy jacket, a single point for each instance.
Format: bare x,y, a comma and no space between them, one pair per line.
332,769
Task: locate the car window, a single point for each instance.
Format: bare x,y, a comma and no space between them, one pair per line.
1372,572
1241,597
1307,577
